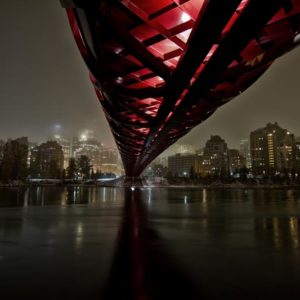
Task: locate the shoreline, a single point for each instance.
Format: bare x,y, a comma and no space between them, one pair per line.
189,186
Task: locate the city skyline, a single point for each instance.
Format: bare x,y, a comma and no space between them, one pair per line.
87,135
44,85
271,150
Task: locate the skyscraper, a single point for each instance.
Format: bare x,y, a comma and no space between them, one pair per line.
110,162
66,147
215,156
245,152
236,161
88,146
273,149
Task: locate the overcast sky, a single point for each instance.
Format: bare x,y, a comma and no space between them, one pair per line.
44,84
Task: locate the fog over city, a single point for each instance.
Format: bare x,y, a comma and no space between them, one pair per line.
46,89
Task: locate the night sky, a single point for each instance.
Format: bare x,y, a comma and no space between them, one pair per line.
44,84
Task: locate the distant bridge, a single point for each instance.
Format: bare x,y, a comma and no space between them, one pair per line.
161,67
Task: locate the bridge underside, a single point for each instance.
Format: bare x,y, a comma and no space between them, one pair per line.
161,67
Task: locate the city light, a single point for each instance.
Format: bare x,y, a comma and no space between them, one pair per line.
83,137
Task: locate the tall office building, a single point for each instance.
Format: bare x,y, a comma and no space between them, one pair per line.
215,159
66,147
103,159
273,149
110,161
86,145
236,161
245,152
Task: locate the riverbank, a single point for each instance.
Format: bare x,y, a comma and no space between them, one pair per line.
214,185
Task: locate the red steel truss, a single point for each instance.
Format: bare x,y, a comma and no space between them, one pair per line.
161,67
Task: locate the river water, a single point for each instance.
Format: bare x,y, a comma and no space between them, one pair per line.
185,243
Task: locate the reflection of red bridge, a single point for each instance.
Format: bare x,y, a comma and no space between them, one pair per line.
161,67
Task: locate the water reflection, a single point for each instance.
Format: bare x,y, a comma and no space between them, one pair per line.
271,216
143,268
254,233
278,233
41,196
53,248
79,237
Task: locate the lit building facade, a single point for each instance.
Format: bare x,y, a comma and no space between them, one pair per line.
66,147
181,165
110,161
90,148
273,149
236,161
103,159
31,147
215,159
203,165
245,152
